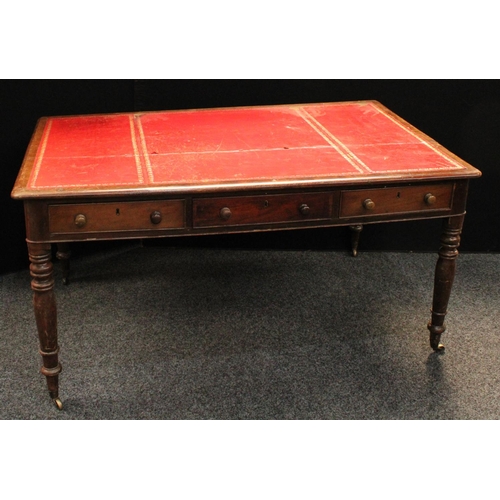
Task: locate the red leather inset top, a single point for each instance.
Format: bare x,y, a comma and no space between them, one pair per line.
230,145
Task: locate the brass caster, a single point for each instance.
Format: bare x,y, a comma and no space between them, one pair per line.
58,403
435,337
354,253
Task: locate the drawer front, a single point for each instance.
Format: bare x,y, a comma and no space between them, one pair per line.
120,216
396,200
249,210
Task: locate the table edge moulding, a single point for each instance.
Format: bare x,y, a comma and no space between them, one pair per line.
227,170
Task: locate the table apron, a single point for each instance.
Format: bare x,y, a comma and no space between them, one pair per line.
128,218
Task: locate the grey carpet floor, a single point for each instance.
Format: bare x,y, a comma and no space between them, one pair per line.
195,333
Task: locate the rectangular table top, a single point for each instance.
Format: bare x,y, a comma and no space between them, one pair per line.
229,148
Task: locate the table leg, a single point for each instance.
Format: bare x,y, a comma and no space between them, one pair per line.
44,303
355,234
63,254
444,276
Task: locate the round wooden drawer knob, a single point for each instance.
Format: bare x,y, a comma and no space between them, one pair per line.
430,199
225,213
304,209
80,220
155,217
369,204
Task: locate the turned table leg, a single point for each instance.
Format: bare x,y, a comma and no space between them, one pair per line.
355,234
44,303
63,254
444,276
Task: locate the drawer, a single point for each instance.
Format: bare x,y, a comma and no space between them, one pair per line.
396,200
249,210
120,216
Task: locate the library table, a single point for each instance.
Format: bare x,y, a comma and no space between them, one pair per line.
227,170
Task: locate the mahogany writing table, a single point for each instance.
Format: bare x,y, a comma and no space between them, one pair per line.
200,172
